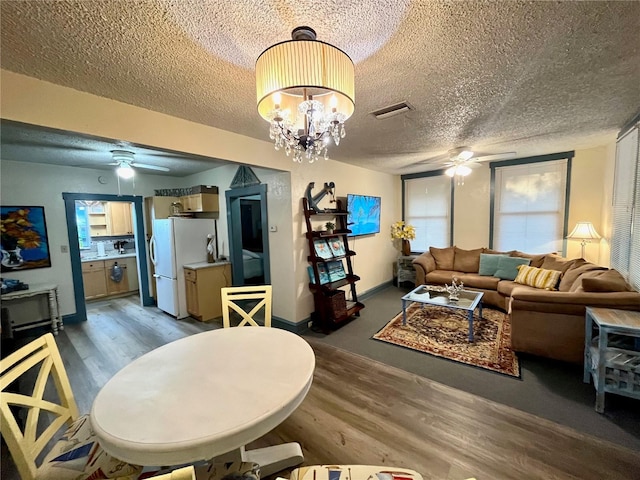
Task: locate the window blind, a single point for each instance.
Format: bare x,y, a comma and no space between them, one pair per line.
529,206
427,204
625,234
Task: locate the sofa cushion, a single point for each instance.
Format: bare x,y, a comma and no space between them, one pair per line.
608,281
489,263
538,277
505,287
556,262
536,260
466,260
443,257
577,269
440,277
507,267
475,280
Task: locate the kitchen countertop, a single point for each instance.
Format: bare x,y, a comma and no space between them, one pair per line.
94,258
196,266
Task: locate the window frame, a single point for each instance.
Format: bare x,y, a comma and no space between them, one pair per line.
430,173
530,160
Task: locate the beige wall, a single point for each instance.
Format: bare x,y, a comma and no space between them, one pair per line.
33,101
590,200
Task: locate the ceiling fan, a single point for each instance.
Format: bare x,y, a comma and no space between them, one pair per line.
460,159
125,161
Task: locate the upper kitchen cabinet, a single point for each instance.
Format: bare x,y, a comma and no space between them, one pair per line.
110,219
200,202
119,216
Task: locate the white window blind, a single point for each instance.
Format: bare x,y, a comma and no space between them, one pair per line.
529,206
427,206
625,235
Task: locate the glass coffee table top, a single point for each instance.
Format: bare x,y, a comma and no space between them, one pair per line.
435,295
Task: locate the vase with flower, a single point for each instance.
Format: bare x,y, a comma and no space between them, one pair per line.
404,233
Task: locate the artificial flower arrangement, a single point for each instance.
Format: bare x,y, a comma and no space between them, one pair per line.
401,231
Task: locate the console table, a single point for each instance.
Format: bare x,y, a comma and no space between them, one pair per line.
612,352
35,289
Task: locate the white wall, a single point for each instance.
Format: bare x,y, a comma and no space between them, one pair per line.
36,184
28,100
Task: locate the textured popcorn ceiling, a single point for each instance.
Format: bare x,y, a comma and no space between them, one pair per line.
529,77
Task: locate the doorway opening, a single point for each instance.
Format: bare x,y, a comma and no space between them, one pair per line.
248,235
117,263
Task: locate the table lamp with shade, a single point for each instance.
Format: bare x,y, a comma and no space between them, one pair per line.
585,232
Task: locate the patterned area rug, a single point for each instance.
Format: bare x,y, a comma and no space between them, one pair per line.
443,332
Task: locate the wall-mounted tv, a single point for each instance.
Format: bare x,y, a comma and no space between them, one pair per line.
364,214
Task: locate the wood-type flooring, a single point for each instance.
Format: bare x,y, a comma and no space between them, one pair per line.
360,411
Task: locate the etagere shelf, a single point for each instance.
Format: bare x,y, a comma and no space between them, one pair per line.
331,306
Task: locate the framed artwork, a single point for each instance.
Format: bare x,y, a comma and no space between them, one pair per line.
336,270
322,271
322,248
336,245
24,241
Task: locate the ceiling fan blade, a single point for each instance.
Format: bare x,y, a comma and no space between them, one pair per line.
436,159
484,157
149,167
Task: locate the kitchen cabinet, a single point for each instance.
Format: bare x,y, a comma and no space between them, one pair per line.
93,278
200,202
119,218
98,225
203,284
114,287
131,266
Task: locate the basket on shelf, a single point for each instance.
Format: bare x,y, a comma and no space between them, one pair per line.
337,304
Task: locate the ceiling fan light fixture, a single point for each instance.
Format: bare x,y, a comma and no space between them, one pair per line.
306,91
458,171
125,170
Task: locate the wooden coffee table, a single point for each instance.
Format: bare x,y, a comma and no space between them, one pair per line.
432,295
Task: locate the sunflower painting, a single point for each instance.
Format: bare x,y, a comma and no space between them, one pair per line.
24,240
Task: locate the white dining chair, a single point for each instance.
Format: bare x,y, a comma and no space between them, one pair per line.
47,409
240,299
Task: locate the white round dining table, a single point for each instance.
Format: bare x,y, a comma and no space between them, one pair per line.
203,396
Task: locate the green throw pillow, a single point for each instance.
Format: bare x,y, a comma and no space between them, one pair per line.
508,267
489,263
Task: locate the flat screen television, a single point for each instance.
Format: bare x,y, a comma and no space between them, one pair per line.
364,214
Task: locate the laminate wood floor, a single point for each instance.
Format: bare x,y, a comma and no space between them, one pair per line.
360,411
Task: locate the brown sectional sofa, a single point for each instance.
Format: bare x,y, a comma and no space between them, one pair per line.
548,323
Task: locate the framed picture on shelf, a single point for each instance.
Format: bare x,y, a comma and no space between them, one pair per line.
336,270
322,248
322,271
337,246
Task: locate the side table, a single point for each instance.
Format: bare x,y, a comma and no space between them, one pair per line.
405,270
35,289
612,352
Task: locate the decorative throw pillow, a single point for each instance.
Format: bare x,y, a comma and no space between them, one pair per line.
579,268
443,257
466,260
538,277
508,267
489,263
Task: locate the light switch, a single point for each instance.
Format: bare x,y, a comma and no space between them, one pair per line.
273,228
64,248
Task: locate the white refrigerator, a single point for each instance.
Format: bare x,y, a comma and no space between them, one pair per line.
174,243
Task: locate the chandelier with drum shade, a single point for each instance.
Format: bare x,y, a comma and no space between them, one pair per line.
305,90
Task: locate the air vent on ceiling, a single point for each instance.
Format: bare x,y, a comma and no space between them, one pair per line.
392,110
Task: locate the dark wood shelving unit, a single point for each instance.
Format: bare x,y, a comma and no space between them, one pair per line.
331,306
